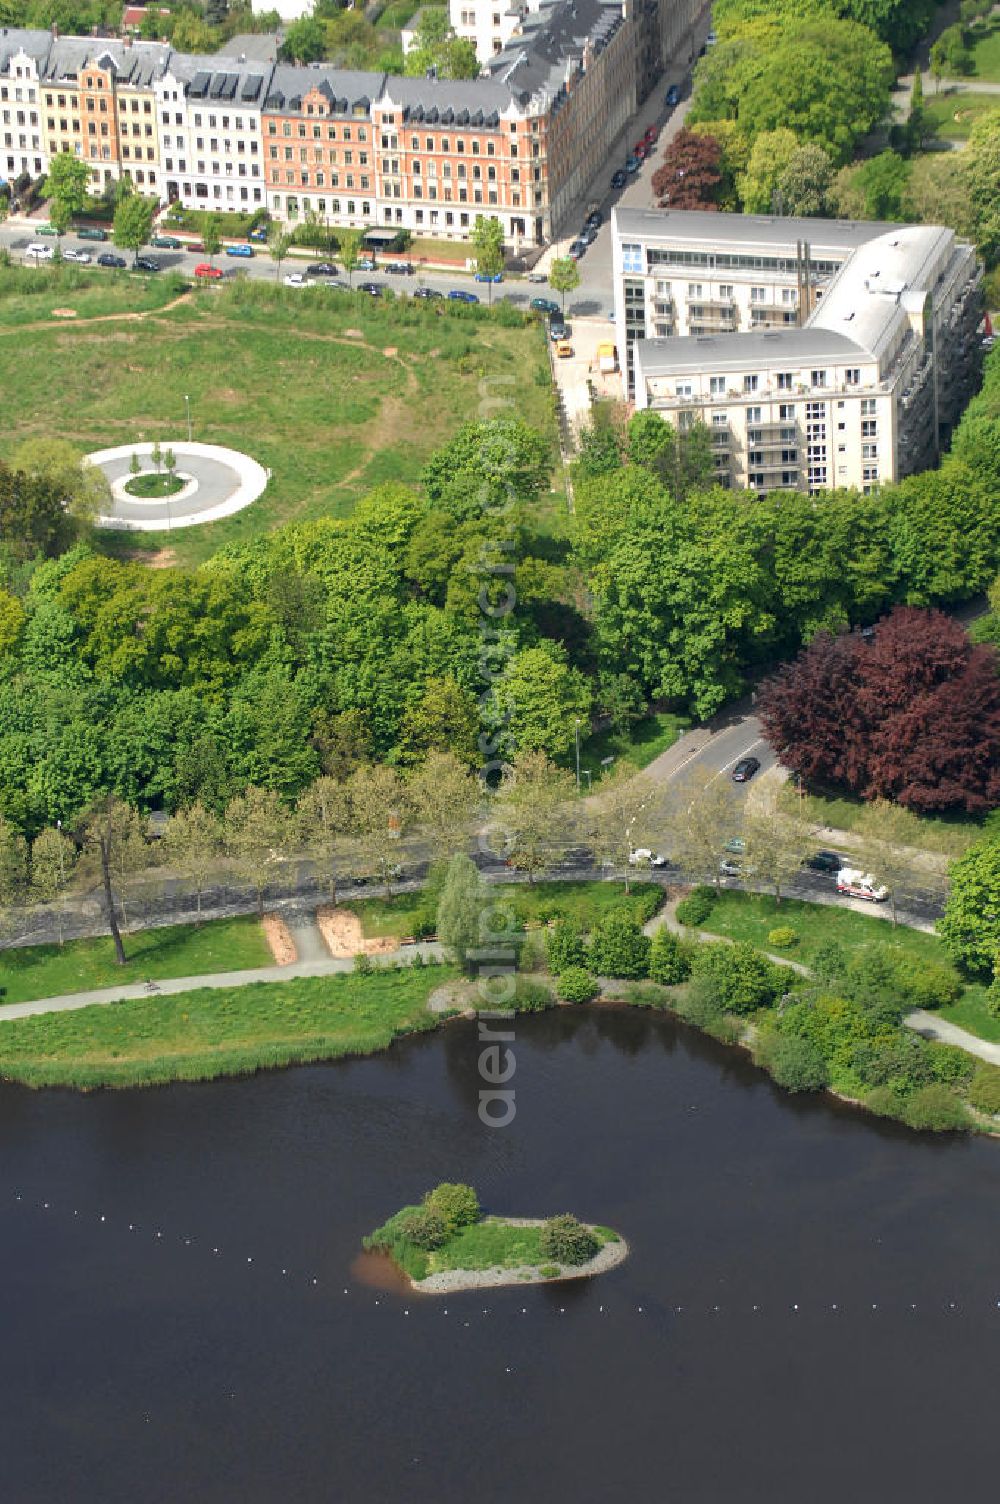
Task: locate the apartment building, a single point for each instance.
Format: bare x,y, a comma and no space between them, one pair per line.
487,24
853,381
319,145
98,103
22,57
209,111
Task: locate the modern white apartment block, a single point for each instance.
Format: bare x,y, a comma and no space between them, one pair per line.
820,354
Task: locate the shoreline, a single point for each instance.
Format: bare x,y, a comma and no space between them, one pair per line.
451,1281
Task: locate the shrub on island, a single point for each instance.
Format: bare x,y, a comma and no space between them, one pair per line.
456,1204
566,1240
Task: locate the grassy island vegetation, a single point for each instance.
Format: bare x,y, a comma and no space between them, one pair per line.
448,1235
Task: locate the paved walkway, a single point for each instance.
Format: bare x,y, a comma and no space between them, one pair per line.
933,1027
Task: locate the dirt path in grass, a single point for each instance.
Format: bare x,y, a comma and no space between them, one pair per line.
98,318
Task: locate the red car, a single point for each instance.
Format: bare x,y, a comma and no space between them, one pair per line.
652,134
204,270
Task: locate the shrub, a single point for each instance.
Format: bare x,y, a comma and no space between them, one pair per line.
699,1004
928,984
422,1226
873,982
884,1102
949,1063
829,962
993,998
695,909
576,985
456,1204
566,1240
363,965
618,948
796,1063
934,1109
549,1271
669,962
782,937
646,900
564,946
531,997
900,1060
984,1089
744,979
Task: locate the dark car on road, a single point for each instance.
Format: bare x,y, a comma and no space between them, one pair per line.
577,249
633,164
745,769
428,292
673,97
107,258
557,327
398,268
146,264
826,862
321,269
458,296
373,289
544,305
594,219
91,232
619,178
167,243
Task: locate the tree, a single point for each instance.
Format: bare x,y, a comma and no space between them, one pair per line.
795,1062
564,277
564,946
777,841
703,818
53,858
67,185
970,926
887,836
769,157
80,487
446,798
916,124
435,46
191,33
626,812
13,867
12,621
487,242
668,960
618,947
912,715
350,245
60,218
278,246
565,1240
305,41
211,239
459,910
255,834
133,223
742,978
444,719
875,189
540,699
380,810
110,836
690,174
192,842
457,1204
324,818
486,468
804,181
531,813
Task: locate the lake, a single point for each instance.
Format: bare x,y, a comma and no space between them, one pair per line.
810,1311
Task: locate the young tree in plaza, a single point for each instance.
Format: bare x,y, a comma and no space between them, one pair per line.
350,245
777,841
446,798
379,813
564,277
278,246
110,835
53,858
487,242
459,909
67,186
13,869
703,817
625,812
211,239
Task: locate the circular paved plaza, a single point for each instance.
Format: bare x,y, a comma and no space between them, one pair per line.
216,483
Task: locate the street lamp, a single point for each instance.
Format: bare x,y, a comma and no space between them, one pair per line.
187,409
62,880
577,730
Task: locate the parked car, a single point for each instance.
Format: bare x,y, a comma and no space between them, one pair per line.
398,268
108,258
40,252
321,269
563,349
711,39
745,769
673,97
545,305
334,286
640,149
826,862
295,279
166,243
428,292
536,277
489,277
209,273
619,178
632,164
239,250
735,844
588,234
73,255
47,230
365,264
558,328
373,289
259,235
594,220
730,867
642,856
652,134
857,884
91,232
150,264
577,249
458,295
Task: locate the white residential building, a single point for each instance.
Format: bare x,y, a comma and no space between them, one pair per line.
820,354
22,56
211,145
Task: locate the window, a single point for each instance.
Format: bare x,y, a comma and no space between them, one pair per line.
717,386
817,378
694,290
784,381
868,407
632,259
751,383
725,292
869,474
788,296
816,410
758,294
869,428
755,414
869,451
852,377
683,389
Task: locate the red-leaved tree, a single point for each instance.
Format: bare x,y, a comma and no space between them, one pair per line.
911,714
691,172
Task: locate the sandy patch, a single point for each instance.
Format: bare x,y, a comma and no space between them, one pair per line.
279,939
344,936
451,995
64,313
159,558
390,350
354,334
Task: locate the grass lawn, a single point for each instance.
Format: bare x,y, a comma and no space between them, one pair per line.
202,1035
945,835
649,737
986,49
749,916
151,484
970,1012
29,294
180,950
952,115
489,1243
584,902
334,393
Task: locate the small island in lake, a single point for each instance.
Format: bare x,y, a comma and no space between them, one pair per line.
446,1244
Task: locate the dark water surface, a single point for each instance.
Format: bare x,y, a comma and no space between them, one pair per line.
150,1368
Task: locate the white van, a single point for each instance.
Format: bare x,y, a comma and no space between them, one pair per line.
859,884
40,252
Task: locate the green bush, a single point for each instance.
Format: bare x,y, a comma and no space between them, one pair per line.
618,948
576,985
566,1240
743,978
884,1102
696,907
782,937
928,984
456,1204
984,1089
424,1227
934,1109
531,996
698,1003
363,964
829,962
796,1063
564,946
669,962
949,1063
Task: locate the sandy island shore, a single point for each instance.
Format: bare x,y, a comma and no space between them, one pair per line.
448,1280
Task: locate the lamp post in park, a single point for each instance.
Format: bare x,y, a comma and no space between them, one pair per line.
187,409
